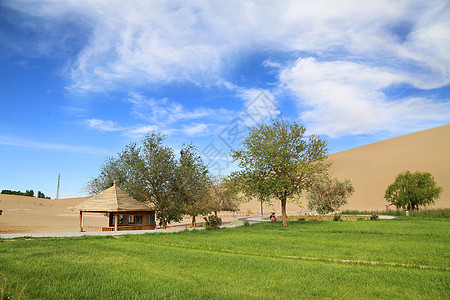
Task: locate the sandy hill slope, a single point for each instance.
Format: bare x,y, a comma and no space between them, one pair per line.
29,214
372,168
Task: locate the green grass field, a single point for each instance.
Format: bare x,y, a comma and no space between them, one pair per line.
402,258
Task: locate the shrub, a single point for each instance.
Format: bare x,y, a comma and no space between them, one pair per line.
413,190
337,217
212,222
246,223
374,217
326,197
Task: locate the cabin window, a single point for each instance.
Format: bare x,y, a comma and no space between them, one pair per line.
135,219
138,219
150,219
112,217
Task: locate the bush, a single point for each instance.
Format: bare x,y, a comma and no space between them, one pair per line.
326,197
374,217
337,217
212,222
413,190
246,223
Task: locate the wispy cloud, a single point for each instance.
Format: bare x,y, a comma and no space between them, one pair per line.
73,110
102,125
339,97
15,142
342,56
143,42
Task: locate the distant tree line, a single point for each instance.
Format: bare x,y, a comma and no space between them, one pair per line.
28,193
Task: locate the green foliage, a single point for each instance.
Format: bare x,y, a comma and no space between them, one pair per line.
246,223
10,192
212,222
222,198
193,183
278,163
42,195
28,193
413,190
337,217
327,196
150,172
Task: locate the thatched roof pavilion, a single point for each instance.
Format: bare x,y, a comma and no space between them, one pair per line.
125,212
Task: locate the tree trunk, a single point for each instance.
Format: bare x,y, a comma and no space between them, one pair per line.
163,223
283,211
194,223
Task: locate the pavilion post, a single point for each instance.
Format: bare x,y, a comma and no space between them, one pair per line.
81,221
116,221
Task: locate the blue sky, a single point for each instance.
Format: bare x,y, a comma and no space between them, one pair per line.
81,79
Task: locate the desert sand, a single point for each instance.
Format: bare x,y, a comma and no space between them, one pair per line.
371,169
27,214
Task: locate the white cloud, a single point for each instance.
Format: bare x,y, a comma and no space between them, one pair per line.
260,106
337,98
102,125
10,141
164,112
145,42
360,48
139,131
195,129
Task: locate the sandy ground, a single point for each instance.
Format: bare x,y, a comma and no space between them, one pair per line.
28,214
371,169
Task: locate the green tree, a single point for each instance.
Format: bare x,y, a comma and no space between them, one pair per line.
29,193
150,172
277,162
327,196
412,190
112,169
194,183
221,197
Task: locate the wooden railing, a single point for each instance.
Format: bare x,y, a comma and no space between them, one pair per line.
119,228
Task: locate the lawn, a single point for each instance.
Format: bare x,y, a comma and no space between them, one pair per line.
402,258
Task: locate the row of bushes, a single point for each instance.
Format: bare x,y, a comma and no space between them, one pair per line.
28,193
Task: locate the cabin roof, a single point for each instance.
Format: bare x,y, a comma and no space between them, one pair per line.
113,199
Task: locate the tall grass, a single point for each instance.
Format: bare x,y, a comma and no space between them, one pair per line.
402,258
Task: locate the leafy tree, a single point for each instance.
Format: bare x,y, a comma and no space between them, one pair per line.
327,196
112,169
150,172
222,198
412,190
194,183
277,162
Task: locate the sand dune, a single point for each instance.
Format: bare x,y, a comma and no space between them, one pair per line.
371,169
28,214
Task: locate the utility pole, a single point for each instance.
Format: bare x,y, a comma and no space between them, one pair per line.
57,189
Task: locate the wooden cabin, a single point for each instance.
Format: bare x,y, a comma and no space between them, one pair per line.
125,212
